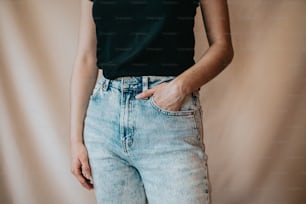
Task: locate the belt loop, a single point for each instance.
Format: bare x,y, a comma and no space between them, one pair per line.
105,84
196,92
145,83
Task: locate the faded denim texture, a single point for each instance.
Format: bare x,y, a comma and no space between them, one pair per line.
140,153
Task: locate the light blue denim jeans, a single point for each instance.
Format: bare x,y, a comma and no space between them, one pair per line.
140,153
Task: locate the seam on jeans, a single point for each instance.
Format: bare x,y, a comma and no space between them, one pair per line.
200,128
168,112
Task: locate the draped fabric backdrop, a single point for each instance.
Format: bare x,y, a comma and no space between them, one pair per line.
254,111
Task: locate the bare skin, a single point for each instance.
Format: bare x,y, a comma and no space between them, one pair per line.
168,96
83,79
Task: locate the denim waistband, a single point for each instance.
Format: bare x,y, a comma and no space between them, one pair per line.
132,82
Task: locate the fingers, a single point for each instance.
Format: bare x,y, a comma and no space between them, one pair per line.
77,170
149,92
85,168
145,94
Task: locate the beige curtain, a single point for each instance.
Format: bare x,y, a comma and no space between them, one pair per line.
254,111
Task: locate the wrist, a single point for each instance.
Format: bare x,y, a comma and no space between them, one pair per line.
183,87
76,133
76,141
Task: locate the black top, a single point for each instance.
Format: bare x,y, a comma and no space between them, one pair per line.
145,37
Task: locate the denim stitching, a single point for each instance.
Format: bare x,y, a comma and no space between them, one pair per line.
168,112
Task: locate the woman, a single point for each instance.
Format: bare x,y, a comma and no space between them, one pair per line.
136,134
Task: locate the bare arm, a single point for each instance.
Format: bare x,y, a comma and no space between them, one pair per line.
83,79
171,95
220,53
84,73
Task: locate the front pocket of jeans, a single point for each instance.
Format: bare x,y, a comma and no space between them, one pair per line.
181,112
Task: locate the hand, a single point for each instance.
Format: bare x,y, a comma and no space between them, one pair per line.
166,95
80,165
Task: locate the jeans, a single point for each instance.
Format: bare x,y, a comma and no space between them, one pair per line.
141,153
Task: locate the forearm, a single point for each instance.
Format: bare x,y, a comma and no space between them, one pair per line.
214,60
83,80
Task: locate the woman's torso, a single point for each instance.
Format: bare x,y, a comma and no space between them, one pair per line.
144,37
